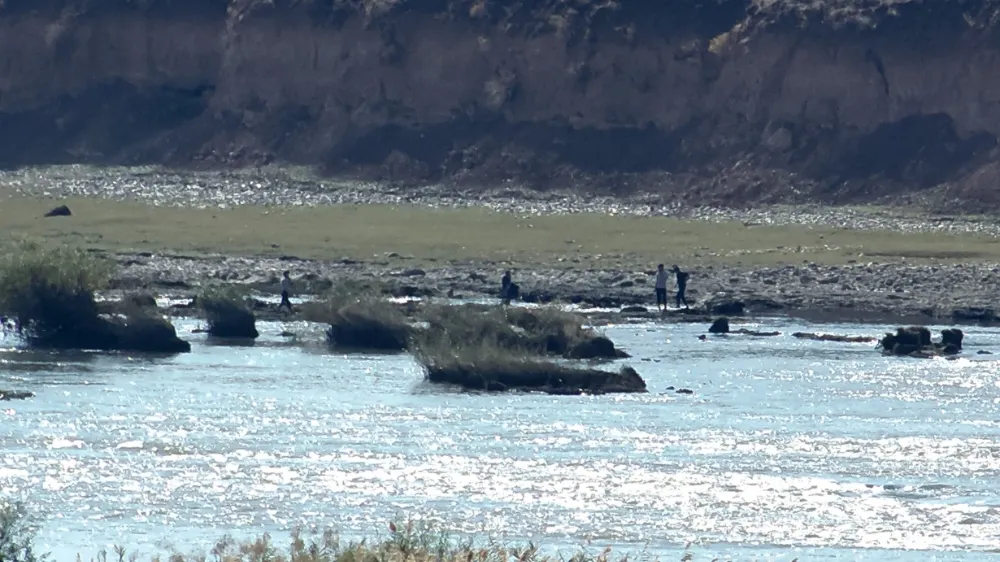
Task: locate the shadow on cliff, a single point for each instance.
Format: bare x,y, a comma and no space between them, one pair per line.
108,124
916,153
535,153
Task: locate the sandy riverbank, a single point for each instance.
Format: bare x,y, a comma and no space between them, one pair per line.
174,232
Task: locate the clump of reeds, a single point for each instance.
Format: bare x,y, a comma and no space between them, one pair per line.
49,293
227,313
359,317
539,331
489,365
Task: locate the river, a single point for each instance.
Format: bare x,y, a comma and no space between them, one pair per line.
787,449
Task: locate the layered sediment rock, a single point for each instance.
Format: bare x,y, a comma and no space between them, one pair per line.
732,101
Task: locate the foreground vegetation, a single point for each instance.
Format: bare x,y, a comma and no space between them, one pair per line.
409,542
49,294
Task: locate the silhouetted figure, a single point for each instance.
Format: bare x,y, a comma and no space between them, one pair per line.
286,289
661,288
508,289
682,281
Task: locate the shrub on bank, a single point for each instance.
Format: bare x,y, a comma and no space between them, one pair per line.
49,295
359,318
227,313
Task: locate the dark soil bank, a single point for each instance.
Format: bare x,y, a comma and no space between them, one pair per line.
723,102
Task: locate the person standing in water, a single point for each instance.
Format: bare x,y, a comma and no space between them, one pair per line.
286,289
661,288
682,281
508,288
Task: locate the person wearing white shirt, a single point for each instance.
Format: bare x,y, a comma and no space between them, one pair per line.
286,289
661,287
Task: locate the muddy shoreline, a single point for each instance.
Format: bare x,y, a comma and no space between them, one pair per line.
818,294
876,291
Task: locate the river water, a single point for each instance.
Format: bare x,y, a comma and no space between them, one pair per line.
788,449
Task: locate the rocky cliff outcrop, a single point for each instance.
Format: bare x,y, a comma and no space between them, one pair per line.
724,101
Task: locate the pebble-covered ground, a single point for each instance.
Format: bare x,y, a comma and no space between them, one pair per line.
876,291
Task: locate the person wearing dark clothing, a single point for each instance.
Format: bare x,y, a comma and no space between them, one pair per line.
508,289
286,289
682,281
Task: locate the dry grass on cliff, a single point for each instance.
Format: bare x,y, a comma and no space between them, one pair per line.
433,237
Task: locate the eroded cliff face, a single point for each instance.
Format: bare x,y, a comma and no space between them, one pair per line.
731,101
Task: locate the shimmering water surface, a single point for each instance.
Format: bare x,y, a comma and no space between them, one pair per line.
787,449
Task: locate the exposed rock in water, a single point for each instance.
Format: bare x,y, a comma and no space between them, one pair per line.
831,101
76,322
952,337
353,328
834,337
719,326
755,333
596,347
535,375
148,333
680,390
229,318
915,341
15,395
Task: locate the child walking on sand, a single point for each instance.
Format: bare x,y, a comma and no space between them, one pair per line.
286,289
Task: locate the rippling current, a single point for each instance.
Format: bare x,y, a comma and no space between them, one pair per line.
787,449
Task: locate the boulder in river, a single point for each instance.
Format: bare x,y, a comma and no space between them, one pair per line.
595,347
915,341
15,395
719,326
229,316
755,333
533,375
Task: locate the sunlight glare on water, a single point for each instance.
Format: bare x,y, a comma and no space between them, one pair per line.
788,448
